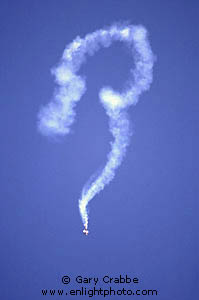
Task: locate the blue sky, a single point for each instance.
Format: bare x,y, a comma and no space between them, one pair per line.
144,223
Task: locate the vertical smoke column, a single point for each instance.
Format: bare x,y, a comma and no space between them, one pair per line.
119,127
58,115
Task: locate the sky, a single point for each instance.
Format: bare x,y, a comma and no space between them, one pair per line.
144,223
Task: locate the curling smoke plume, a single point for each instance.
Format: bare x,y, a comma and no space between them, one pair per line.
59,114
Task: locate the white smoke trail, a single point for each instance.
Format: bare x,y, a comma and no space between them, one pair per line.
59,114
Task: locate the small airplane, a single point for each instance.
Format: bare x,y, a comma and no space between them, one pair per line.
85,231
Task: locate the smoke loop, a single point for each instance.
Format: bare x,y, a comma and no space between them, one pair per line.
59,114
